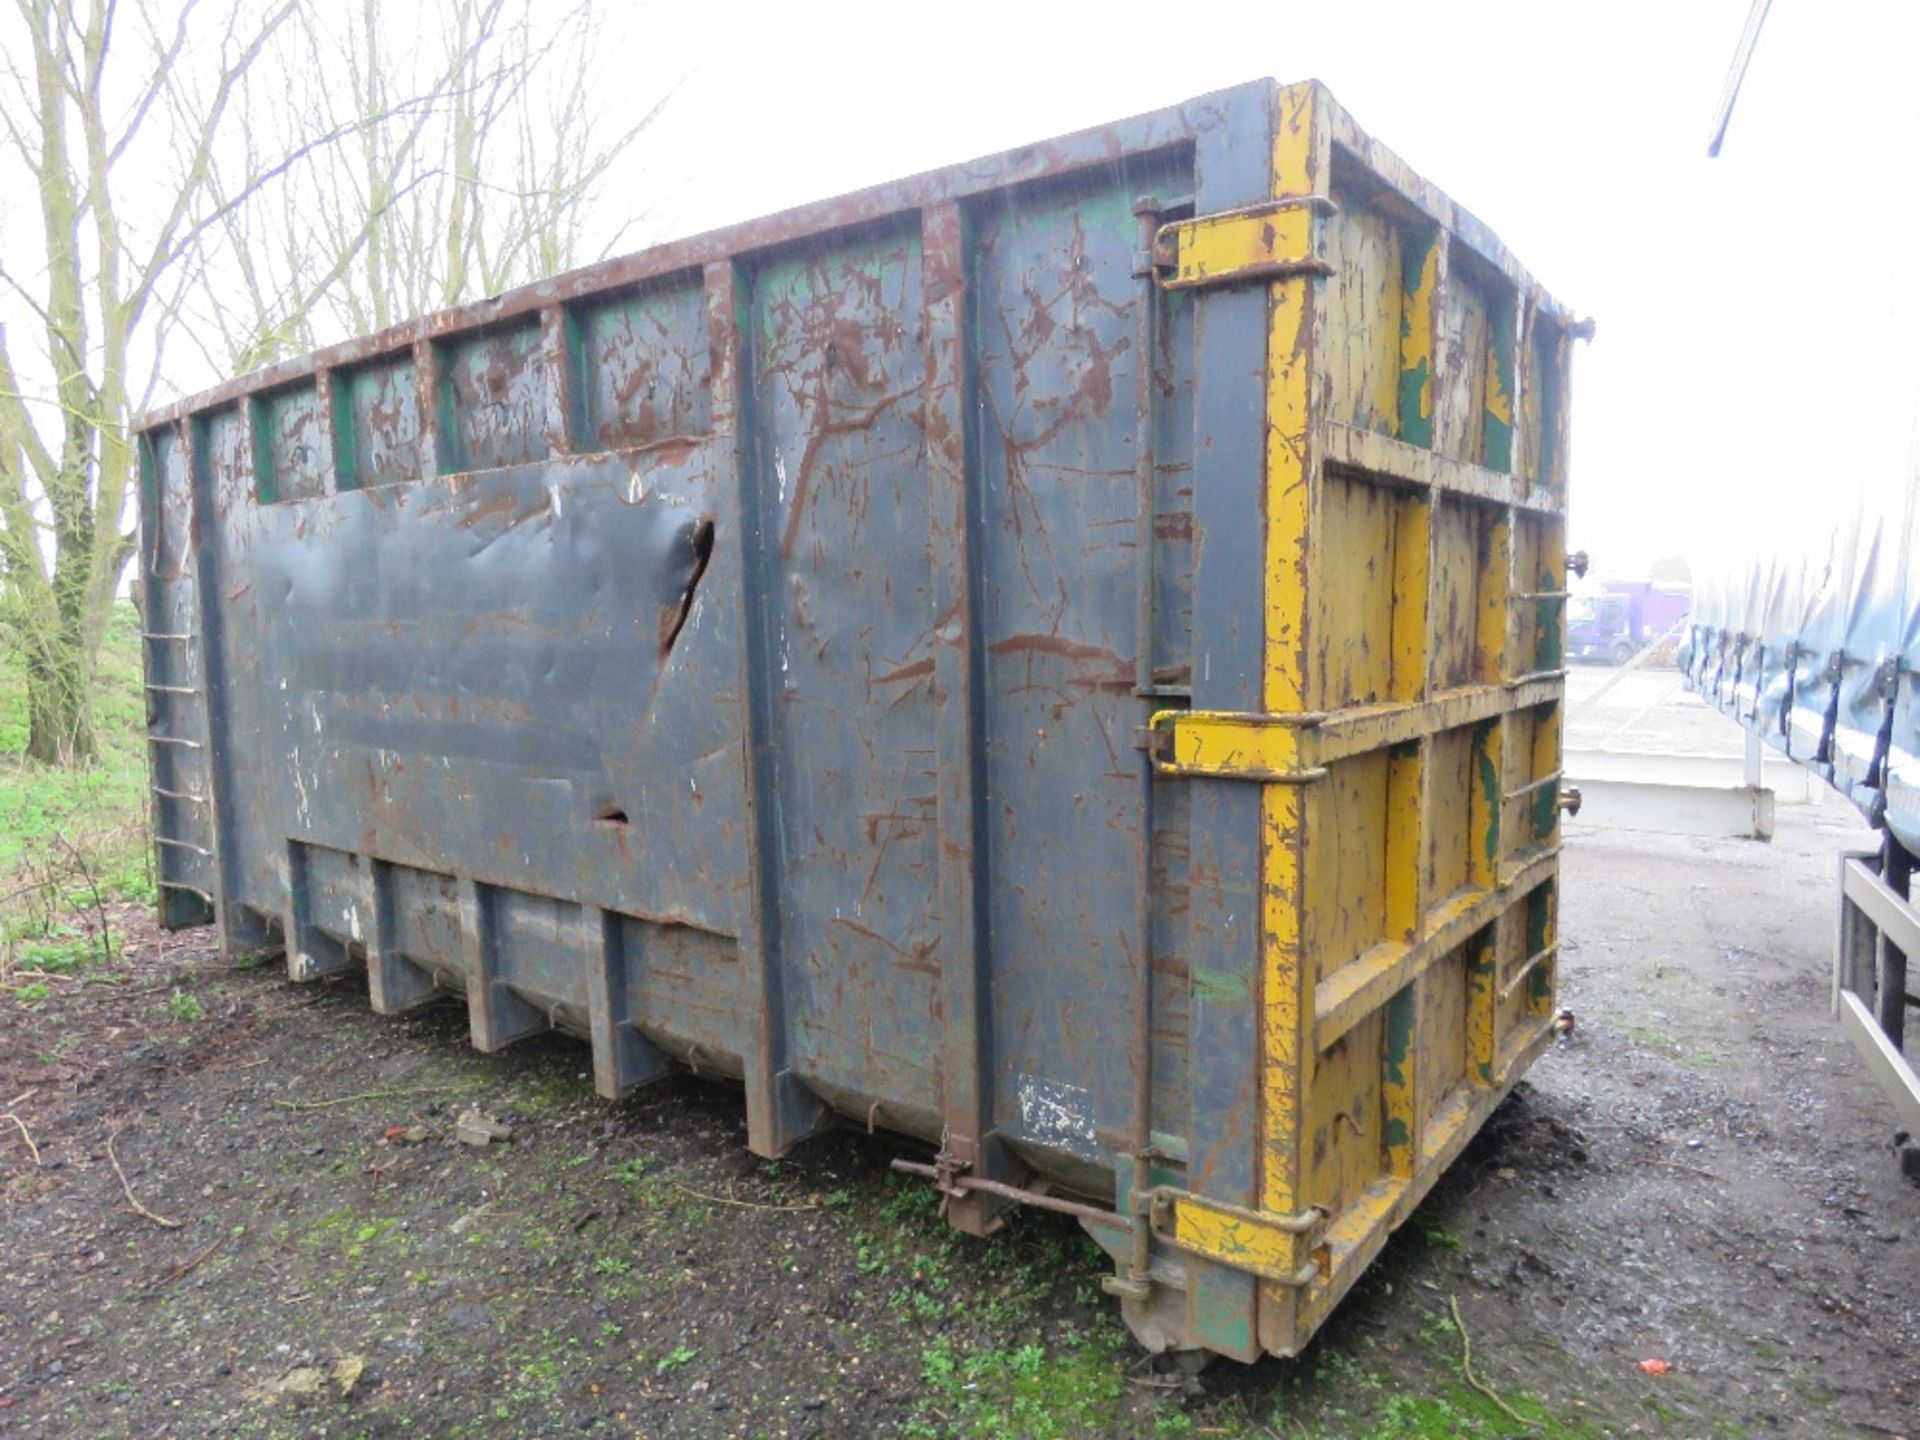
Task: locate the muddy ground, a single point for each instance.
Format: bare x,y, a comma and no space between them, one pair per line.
293,1244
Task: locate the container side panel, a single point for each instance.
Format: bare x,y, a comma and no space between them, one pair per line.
687,989
224,445
293,458
1449,808
1539,567
289,437
1346,1146
1461,377
494,398
379,436
1365,301
1346,890
1462,545
1054,320
1442,1028
523,677
839,369
641,365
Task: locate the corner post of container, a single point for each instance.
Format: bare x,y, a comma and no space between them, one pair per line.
1289,814
780,1111
1225,927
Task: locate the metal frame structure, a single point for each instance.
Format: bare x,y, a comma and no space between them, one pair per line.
1060,657
1879,929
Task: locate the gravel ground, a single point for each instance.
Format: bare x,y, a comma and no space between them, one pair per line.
249,1217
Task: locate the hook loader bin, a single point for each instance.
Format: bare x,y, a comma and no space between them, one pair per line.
1058,657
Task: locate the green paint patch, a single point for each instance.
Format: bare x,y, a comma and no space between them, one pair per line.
1219,987
1497,431
1490,794
1399,1036
1547,628
1416,418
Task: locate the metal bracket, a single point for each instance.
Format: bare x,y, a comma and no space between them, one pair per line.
1270,241
1277,1248
1234,745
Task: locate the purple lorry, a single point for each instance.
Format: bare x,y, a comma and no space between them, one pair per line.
1622,619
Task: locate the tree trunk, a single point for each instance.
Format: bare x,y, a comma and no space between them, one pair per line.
59,700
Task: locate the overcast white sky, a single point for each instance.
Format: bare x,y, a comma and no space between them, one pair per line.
1753,367
1750,365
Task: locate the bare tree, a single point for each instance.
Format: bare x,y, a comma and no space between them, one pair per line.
480,181
73,112
281,172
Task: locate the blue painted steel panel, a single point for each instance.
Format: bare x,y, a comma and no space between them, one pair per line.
740,655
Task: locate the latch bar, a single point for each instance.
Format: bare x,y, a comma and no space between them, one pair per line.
1234,745
1269,241
1277,1248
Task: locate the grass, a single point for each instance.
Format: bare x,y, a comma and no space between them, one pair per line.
1025,1391
73,840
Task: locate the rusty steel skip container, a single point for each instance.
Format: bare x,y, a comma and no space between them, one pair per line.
1058,657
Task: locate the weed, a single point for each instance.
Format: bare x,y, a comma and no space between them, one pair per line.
1432,1232
61,953
183,1005
912,1201
1027,1392
675,1358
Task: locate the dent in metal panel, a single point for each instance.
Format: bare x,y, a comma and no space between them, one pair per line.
469,677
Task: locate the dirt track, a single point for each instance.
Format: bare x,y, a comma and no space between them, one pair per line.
1700,1175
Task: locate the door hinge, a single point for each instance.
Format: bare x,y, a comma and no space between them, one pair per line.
1270,241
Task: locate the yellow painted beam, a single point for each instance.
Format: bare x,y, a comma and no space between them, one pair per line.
1286,1001
1260,242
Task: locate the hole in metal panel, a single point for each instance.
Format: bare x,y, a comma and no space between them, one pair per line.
673,621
